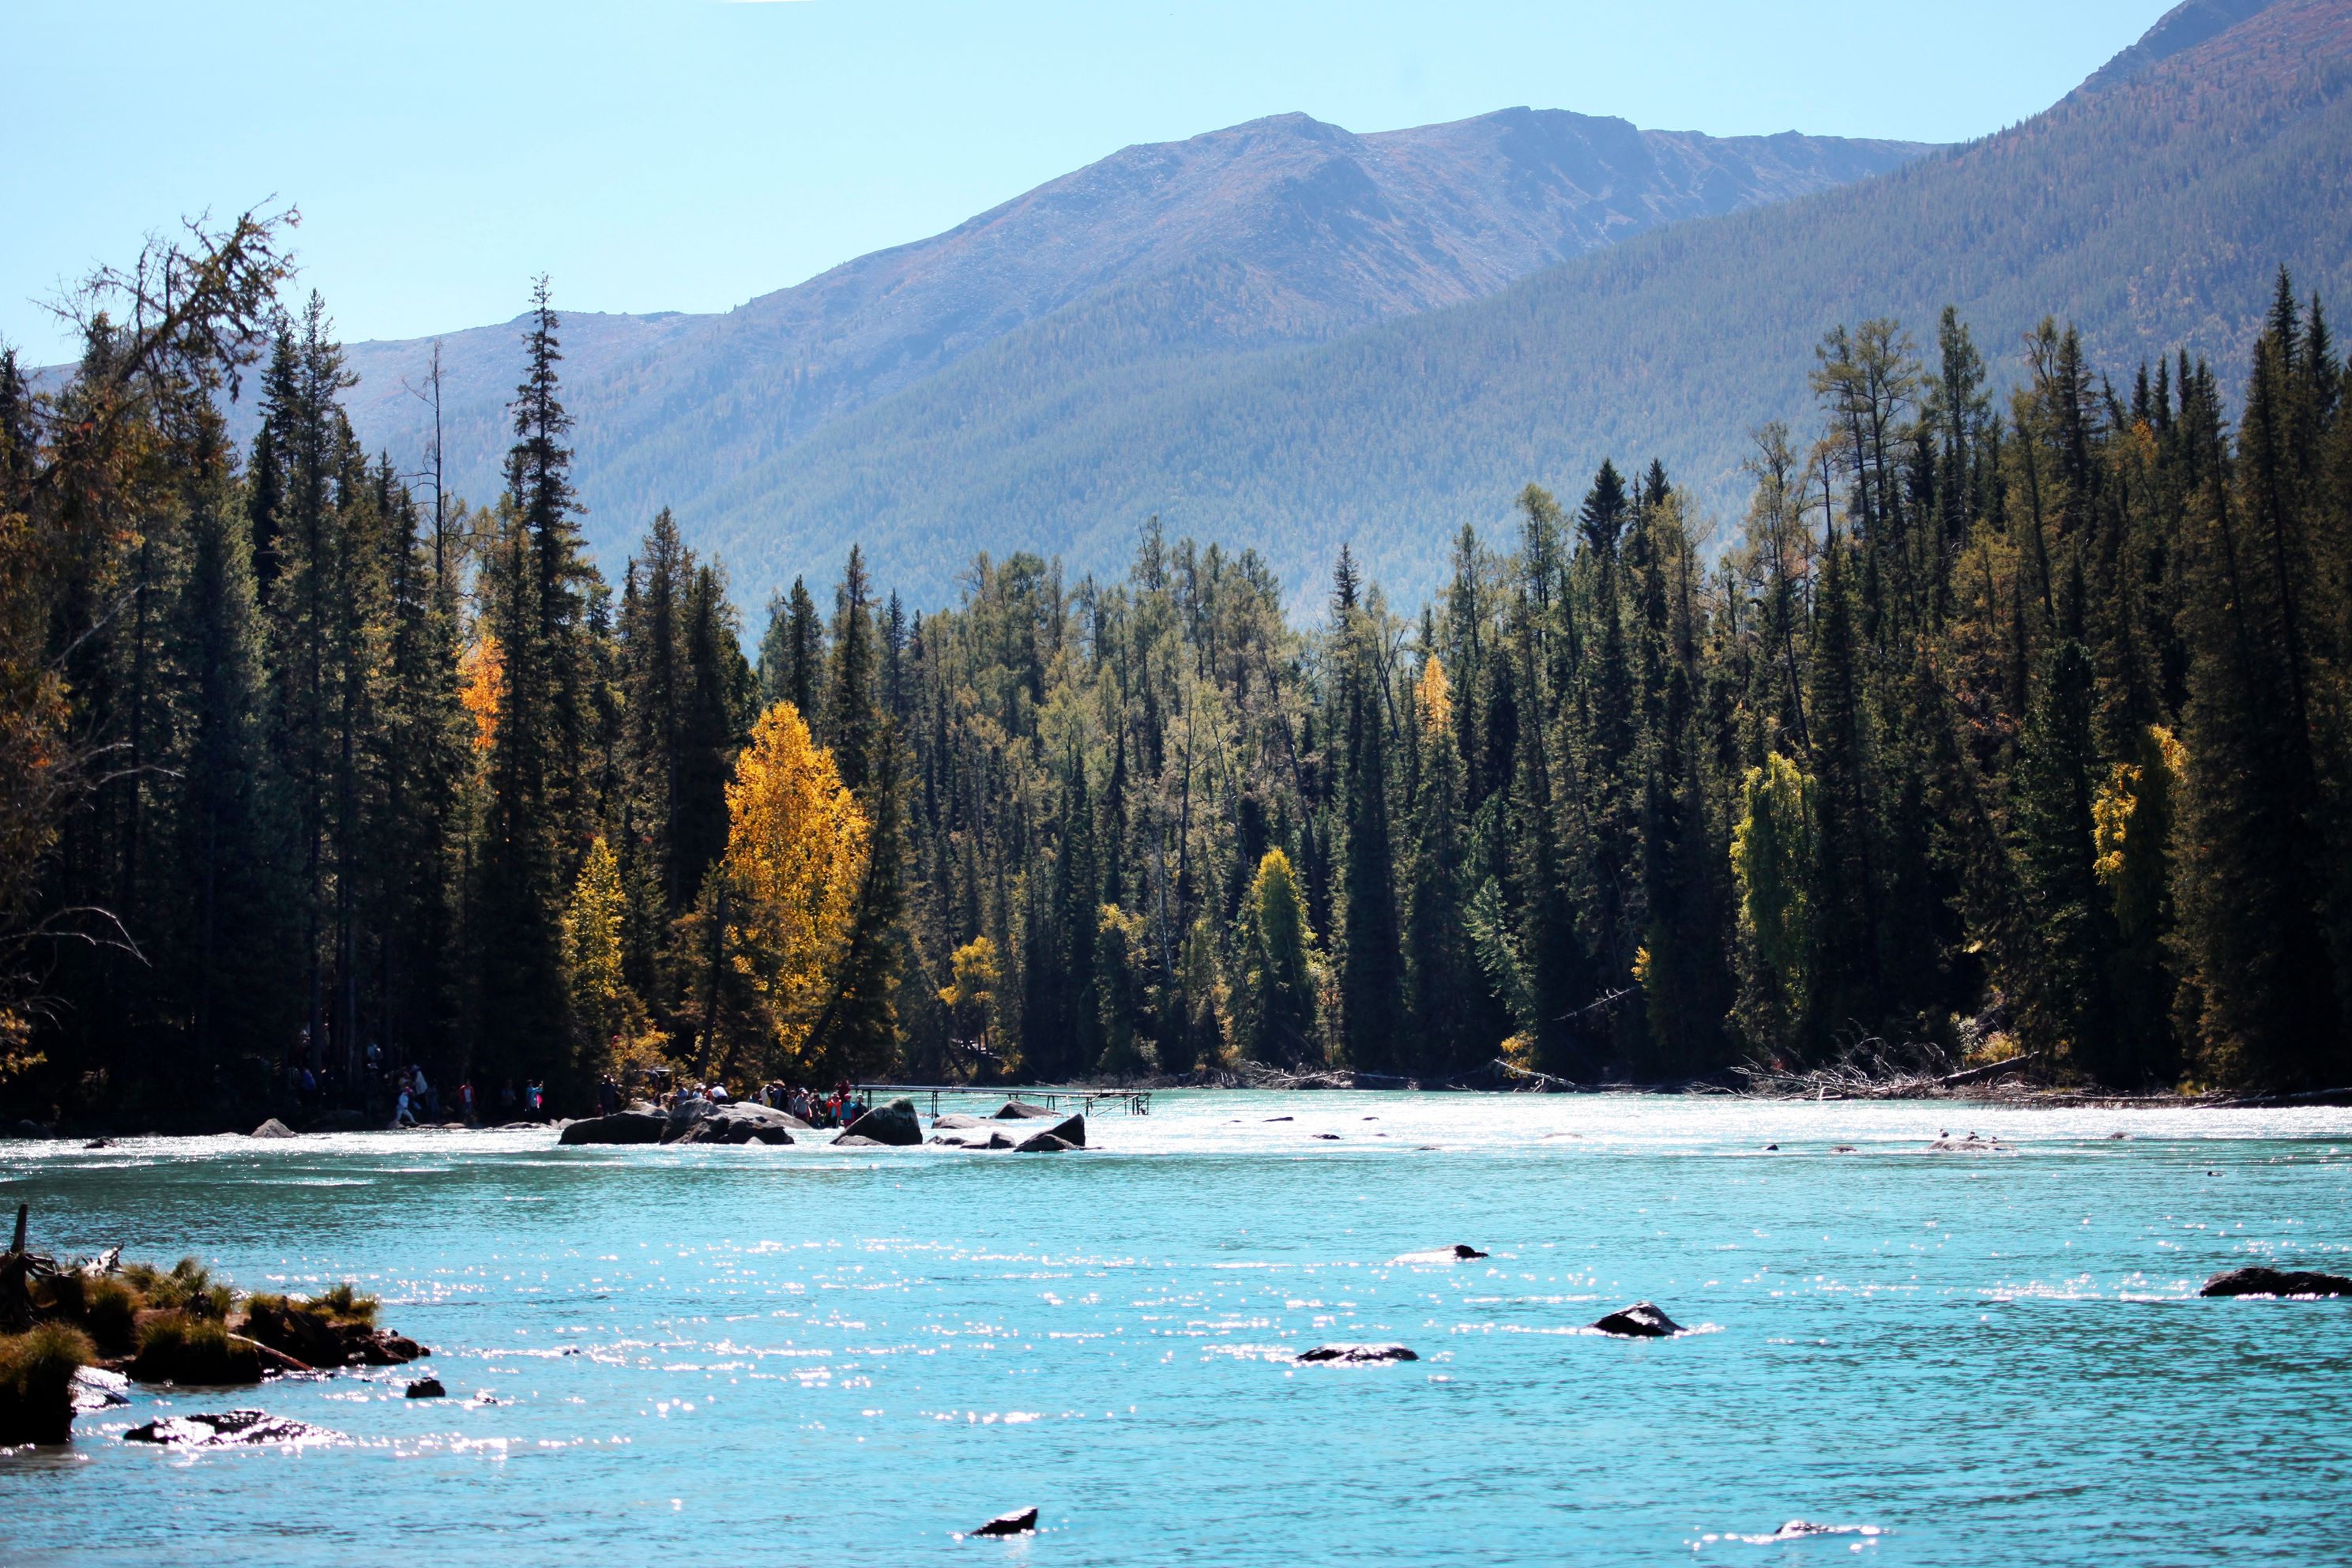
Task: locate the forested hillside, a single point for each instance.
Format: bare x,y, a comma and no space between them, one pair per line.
2148,211
2011,725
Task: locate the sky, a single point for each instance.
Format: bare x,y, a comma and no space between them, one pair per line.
691,154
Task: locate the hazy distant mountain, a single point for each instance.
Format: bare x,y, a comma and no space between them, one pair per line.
1284,231
2152,208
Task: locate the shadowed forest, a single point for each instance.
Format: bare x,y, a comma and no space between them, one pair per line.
2003,729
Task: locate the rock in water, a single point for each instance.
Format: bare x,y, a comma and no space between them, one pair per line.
426,1389
1044,1143
957,1122
273,1128
2261,1281
1460,1252
1641,1320
894,1124
1015,1111
621,1127
1023,1522
1358,1355
1971,1145
95,1388
231,1428
741,1125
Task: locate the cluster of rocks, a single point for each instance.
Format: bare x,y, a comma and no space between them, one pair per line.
1010,1128
892,1125
227,1429
694,1122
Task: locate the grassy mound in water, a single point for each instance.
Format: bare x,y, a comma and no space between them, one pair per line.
180,1347
334,1328
36,1374
188,1287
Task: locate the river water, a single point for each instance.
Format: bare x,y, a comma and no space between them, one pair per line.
807,1354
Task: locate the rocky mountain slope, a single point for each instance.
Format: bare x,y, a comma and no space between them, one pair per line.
1282,231
2152,208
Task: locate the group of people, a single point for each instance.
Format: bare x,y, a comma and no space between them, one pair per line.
835,1107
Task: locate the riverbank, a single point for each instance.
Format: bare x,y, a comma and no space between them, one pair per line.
2019,1082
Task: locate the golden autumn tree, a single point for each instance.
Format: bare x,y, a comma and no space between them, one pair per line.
608,1021
775,917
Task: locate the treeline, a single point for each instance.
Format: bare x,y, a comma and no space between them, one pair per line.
2001,730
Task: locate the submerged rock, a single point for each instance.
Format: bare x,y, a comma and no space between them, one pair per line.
621,1127
894,1124
1643,1320
2262,1281
273,1128
1020,1521
956,1122
426,1389
858,1141
1945,1143
1358,1355
230,1428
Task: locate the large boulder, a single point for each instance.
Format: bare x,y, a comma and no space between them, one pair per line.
740,1124
2261,1281
273,1128
1357,1354
958,1122
1643,1320
894,1124
1017,1111
1044,1144
621,1127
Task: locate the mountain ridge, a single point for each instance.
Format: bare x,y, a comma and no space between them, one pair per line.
2153,213
1307,230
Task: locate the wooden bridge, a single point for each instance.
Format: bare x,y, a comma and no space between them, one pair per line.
1135,1102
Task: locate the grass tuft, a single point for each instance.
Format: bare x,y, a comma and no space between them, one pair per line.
36,1371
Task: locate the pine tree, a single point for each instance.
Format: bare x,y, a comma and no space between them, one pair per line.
1372,967
534,830
2066,983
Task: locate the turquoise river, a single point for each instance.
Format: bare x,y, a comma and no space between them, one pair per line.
819,1355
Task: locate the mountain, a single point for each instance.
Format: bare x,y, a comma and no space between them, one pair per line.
2152,208
1281,232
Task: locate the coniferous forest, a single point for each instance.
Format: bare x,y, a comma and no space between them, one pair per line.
2015,724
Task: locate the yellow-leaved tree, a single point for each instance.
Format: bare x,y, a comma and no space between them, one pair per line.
784,897
610,1028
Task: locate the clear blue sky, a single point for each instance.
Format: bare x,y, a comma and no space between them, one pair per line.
690,154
